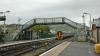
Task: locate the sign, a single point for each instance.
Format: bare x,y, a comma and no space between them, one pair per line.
33,47
94,22
4,28
90,30
2,18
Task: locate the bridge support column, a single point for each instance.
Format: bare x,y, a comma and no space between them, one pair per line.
22,33
30,35
77,32
34,20
63,19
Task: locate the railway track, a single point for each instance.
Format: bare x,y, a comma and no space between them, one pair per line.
21,47
25,49
52,44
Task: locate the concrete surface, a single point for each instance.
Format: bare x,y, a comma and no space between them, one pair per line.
79,49
56,50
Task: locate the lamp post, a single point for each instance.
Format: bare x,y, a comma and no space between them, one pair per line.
90,18
4,16
89,22
83,19
84,25
19,22
4,24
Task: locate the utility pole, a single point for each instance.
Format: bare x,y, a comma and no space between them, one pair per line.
4,28
90,24
19,22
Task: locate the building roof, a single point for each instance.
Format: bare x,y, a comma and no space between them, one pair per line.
97,22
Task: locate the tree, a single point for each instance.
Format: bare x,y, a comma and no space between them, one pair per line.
43,29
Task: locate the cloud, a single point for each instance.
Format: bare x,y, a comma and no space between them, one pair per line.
29,9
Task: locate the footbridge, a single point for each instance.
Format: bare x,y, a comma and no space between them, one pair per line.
14,33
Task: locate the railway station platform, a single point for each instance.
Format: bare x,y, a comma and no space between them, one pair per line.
23,41
72,49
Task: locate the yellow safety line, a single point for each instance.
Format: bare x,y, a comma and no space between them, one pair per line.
61,49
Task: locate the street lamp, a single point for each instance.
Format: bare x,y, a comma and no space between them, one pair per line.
4,24
90,18
84,25
89,22
83,18
4,16
19,22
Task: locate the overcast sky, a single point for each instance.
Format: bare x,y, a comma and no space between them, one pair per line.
29,9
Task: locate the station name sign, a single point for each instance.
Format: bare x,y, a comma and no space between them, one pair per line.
2,18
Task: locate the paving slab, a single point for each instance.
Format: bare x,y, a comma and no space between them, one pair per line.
79,49
56,50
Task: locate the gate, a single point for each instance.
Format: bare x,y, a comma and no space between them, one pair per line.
81,33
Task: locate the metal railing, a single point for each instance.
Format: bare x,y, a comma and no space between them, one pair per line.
10,32
15,32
